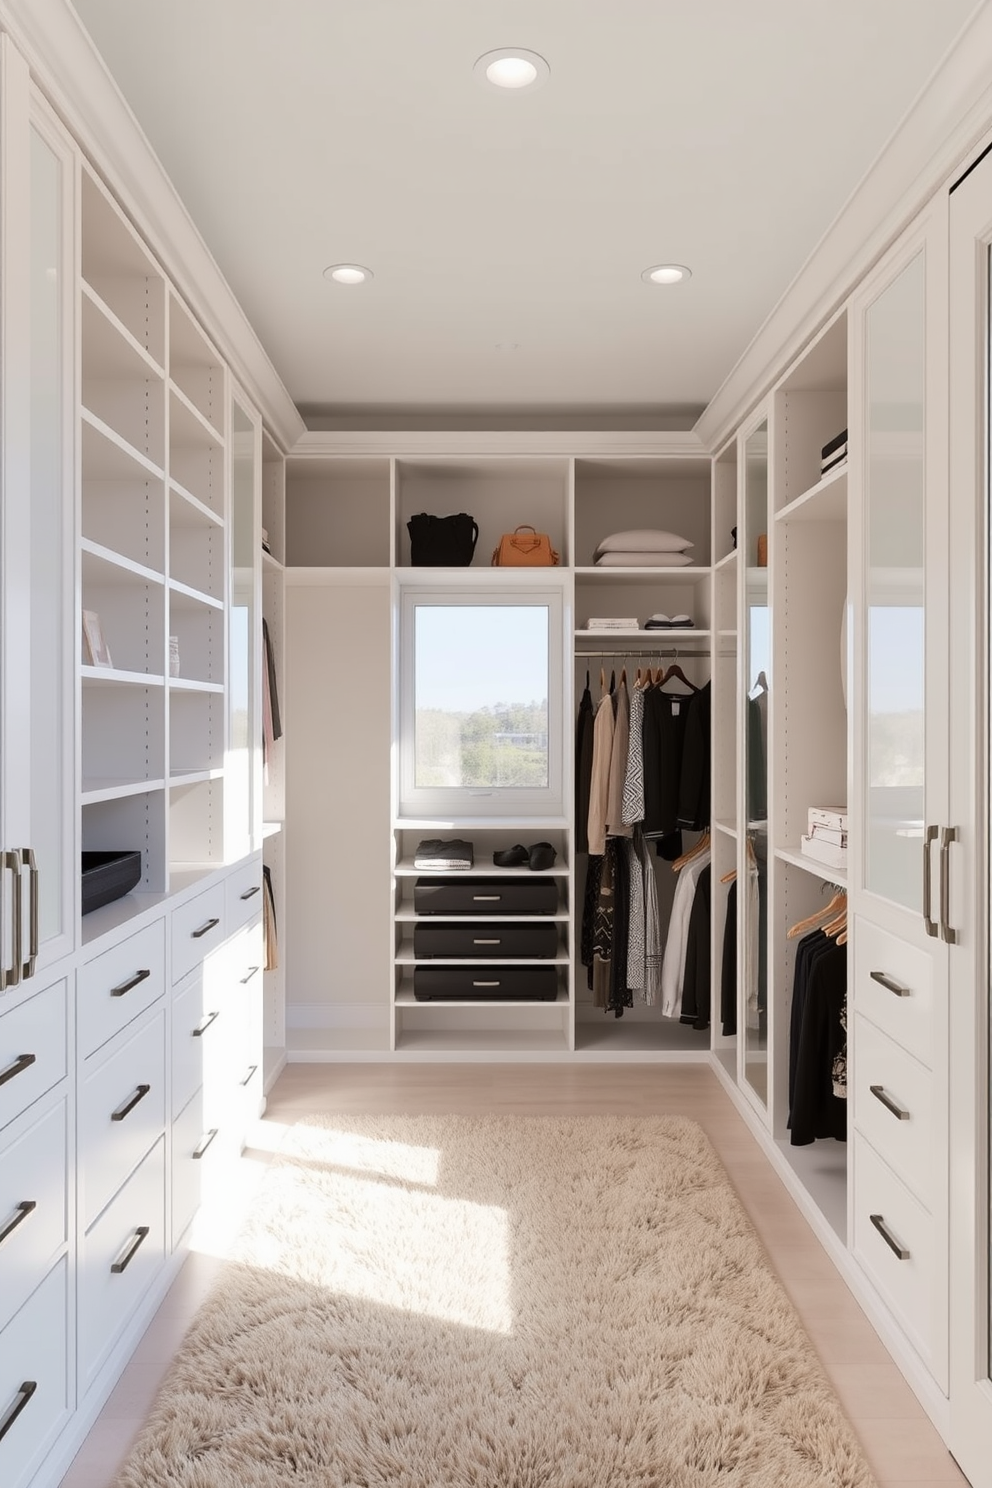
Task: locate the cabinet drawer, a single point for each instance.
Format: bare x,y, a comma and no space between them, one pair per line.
243,893
188,1137
33,1216
893,986
118,1260
32,1050
893,1106
121,1113
34,1379
907,1283
114,988
197,929
192,1028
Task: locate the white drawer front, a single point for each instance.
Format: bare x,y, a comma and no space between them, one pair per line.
197,929
892,1097
34,1384
908,1284
121,1112
192,1029
114,988
33,1214
33,1050
188,1156
893,986
244,893
118,1260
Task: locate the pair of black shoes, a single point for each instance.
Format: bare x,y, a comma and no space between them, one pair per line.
541,855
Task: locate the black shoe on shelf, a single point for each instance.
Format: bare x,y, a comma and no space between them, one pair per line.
542,855
511,857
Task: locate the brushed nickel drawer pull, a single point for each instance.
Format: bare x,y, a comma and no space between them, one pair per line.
890,984
250,893
31,863
929,923
21,1399
248,1077
26,1207
10,976
204,1142
128,1106
493,940
485,984
140,1235
894,1245
947,836
131,983
486,898
900,1112
251,972
196,934
20,1064
201,1028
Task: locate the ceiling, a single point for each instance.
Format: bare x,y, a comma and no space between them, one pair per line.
507,232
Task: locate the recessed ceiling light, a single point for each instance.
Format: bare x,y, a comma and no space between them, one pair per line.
348,273
512,68
666,274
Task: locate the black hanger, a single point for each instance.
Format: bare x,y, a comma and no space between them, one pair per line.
675,673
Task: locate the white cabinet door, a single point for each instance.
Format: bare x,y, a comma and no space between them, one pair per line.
900,817
970,239
36,566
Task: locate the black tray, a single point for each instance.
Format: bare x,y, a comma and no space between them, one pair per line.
108,875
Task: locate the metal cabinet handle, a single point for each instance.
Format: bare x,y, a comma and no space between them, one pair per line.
485,984
248,1077
947,836
250,893
20,1064
128,1106
30,965
10,976
130,984
195,934
140,1234
890,984
929,838
493,940
204,1142
201,1028
251,972
21,1212
880,1094
896,1246
21,1399
486,898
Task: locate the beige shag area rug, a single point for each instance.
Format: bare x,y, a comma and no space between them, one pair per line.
505,1302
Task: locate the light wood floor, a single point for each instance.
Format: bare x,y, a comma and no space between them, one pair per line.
901,1444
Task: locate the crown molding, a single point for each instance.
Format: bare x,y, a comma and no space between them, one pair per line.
497,444
942,128
72,75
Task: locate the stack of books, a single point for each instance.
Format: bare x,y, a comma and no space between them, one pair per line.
826,840
834,452
613,623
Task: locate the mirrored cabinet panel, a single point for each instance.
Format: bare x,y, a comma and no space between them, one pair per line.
756,654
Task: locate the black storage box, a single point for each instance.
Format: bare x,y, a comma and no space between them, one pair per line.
485,983
107,876
485,940
536,895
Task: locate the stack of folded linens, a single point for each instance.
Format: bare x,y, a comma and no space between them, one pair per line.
444,853
646,547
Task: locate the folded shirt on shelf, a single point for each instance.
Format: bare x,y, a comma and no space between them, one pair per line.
447,853
666,622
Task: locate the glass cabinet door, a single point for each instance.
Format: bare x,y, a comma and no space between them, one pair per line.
757,698
894,805
243,764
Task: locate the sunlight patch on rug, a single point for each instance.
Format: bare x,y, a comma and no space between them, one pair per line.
501,1302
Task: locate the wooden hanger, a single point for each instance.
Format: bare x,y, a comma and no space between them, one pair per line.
729,877
693,852
829,912
674,673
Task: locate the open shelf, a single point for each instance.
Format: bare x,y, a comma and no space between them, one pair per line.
799,859
824,502
405,869
95,790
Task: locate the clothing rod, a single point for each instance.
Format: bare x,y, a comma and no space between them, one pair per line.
643,655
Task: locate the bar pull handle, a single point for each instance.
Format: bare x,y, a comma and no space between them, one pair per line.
486,984
251,972
880,1094
196,934
250,893
896,1246
30,965
486,898
890,984
128,1106
20,1064
124,987
492,940
204,1142
21,1399
251,1070
947,836
21,1212
201,1028
929,838
121,1264
10,976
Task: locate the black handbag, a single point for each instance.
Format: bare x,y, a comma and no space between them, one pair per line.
442,542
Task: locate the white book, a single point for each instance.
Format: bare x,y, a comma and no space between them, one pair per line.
828,816
824,852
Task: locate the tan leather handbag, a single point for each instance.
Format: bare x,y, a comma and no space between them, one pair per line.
525,548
